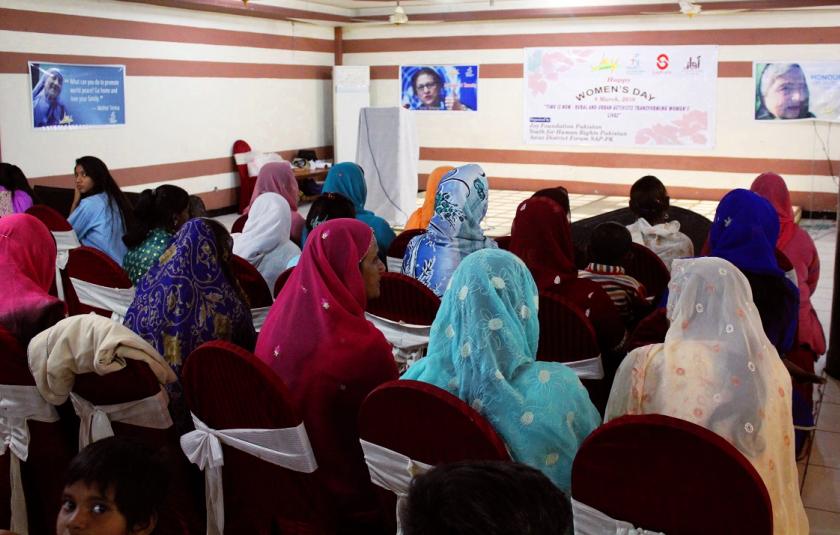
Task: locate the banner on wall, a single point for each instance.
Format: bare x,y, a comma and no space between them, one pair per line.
802,90
636,96
77,96
439,87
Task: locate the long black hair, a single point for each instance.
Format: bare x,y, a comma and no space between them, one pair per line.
103,181
13,179
157,208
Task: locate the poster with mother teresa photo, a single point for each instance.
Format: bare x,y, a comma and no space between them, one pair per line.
439,87
797,90
76,96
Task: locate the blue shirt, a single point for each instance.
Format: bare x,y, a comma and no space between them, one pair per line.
99,224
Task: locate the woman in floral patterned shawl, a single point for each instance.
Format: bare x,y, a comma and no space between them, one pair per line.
454,230
190,296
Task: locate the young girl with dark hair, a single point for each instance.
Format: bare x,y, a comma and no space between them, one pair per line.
15,188
159,214
100,213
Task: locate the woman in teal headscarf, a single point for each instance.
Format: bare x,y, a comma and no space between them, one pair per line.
454,230
348,179
482,348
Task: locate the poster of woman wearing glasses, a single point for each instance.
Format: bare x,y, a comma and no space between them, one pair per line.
439,87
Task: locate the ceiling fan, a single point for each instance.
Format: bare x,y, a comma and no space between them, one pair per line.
691,9
397,18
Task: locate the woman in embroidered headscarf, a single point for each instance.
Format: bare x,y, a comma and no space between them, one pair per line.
717,369
420,217
27,262
264,241
190,296
454,230
316,338
745,231
348,179
482,348
278,177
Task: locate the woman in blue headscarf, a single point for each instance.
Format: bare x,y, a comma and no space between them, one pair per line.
744,232
454,230
482,348
348,179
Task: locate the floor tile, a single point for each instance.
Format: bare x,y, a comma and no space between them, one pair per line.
822,488
831,393
823,522
826,449
829,417
800,467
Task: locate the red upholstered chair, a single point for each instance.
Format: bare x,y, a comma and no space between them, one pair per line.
503,242
281,281
664,474
239,224
647,268
91,265
227,387
396,250
426,424
566,335
590,297
403,298
50,451
50,217
252,283
246,183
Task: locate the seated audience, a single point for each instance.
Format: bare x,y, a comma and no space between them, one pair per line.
542,237
609,245
16,196
265,240
348,179
454,230
190,296
328,206
158,216
278,177
420,217
317,340
717,369
485,498
482,348
100,213
650,202
558,194
27,262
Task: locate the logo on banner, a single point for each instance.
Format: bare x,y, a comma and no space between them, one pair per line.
693,64
634,66
662,61
606,65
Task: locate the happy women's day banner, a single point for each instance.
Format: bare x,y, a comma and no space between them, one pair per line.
77,96
636,96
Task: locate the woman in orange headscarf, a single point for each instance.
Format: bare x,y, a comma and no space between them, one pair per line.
420,218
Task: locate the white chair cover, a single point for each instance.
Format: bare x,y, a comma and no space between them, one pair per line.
18,404
392,471
117,300
590,521
258,316
394,264
288,447
95,424
64,241
587,368
409,341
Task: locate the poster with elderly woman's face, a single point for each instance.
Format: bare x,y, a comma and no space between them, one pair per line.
76,96
801,90
439,87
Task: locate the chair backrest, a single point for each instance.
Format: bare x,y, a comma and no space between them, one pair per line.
647,268
246,183
591,299
503,242
281,281
566,335
403,298
664,474
239,224
252,282
50,217
94,266
396,250
227,387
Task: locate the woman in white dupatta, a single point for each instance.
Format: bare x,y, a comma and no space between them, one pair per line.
717,369
265,240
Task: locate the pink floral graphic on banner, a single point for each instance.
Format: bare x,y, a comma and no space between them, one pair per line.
691,127
549,66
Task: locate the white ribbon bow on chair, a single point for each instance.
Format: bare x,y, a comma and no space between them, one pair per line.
65,240
591,521
117,300
95,424
287,447
18,404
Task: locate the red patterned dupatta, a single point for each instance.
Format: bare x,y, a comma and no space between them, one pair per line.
542,238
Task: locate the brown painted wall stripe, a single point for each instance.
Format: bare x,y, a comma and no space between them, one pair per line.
55,23
238,7
718,164
222,198
726,69
751,36
16,63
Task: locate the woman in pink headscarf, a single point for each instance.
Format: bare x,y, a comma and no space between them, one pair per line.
27,262
316,338
278,177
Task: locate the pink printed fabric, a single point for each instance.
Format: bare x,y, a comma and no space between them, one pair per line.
278,177
801,251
